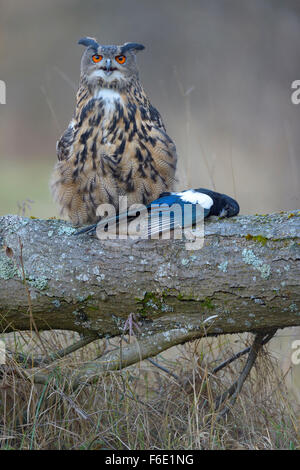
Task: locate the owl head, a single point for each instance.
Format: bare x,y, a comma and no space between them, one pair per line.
108,66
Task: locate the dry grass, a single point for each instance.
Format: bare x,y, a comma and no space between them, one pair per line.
143,407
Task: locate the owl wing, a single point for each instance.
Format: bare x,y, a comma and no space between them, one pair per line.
155,117
64,144
156,131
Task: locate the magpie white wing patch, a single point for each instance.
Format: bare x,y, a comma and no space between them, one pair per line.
194,197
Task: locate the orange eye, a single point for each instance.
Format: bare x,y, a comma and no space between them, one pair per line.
97,58
121,59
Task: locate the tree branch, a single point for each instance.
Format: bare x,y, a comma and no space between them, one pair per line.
245,278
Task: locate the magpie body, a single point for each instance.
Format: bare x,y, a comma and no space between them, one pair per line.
172,210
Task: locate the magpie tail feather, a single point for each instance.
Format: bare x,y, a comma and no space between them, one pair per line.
89,229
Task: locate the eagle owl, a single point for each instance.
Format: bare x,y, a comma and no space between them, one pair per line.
116,144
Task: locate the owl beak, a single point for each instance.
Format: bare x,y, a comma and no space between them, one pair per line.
108,71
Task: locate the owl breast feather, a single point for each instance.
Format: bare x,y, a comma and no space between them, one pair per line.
116,145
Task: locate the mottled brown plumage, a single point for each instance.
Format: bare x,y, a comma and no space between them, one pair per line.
116,144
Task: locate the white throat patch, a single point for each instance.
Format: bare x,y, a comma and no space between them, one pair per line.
110,98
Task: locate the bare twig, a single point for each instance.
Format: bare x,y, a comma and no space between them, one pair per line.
29,361
237,356
233,391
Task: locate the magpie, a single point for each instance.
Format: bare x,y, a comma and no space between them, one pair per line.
174,210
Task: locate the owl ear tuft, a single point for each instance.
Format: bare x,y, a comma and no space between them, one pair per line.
132,46
88,42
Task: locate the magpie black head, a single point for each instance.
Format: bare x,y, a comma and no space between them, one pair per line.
223,205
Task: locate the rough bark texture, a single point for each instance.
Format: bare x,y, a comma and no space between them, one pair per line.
245,278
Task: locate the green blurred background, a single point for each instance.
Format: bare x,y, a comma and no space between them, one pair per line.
219,71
